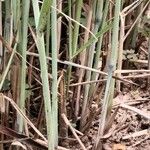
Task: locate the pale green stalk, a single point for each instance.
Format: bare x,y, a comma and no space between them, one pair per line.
70,31
97,19
40,25
120,49
7,26
59,27
76,26
25,15
115,35
54,72
48,35
16,13
104,108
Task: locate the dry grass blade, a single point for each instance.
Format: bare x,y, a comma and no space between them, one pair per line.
140,61
5,44
62,148
66,16
24,138
24,116
17,143
136,134
2,103
132,71
63,130
84,67
89,82
73,131
138,111
137,76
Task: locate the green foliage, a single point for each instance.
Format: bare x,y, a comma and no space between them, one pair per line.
92,39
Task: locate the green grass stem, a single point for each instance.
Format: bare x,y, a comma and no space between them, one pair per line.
25,17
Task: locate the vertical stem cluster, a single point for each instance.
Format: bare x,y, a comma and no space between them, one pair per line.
50,110
109,90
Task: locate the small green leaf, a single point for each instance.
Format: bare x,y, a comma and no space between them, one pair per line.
43,15
92,39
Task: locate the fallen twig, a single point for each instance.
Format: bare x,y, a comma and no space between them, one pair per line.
139,142
138,111
61,148
19,111
136,134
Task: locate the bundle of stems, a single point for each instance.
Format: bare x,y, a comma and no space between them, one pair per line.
64,61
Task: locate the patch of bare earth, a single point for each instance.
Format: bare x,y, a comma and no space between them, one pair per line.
129,131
